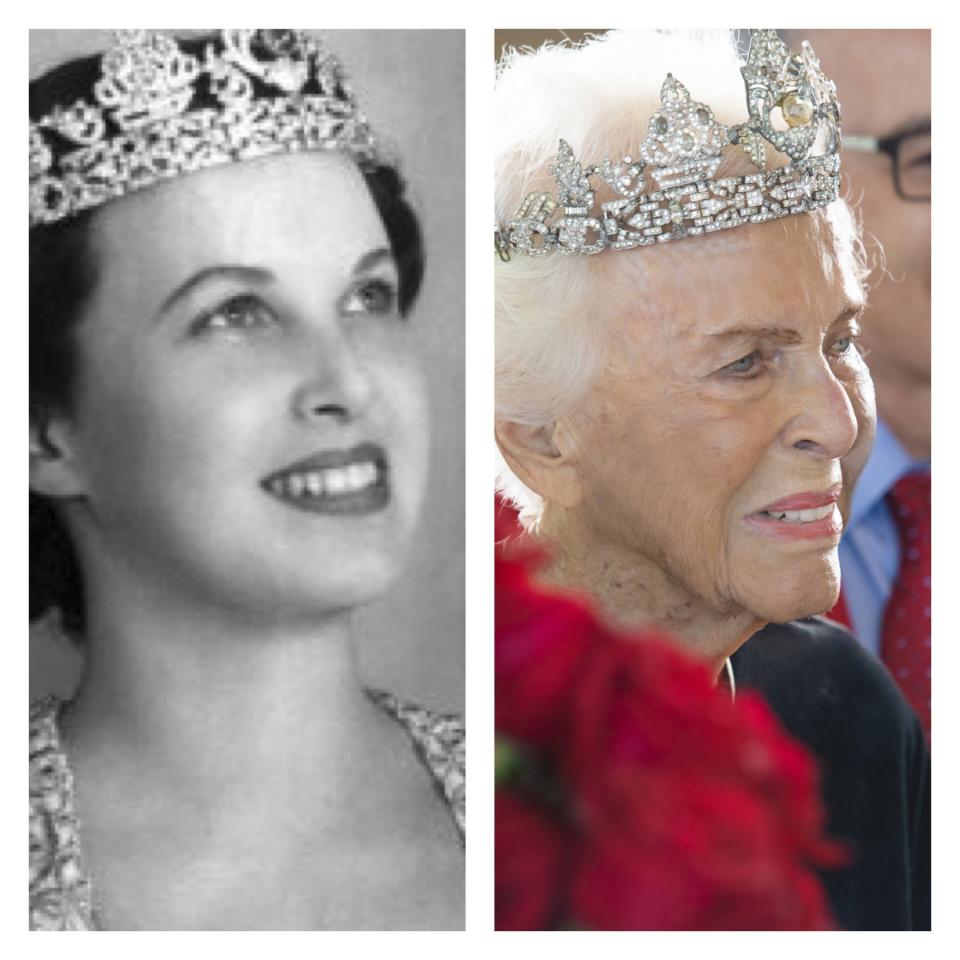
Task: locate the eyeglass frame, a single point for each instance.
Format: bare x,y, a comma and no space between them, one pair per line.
890,146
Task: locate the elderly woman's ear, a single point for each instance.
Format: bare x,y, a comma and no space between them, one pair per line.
543,458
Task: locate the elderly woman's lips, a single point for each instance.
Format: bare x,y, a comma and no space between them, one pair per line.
801,516
826,523
350,481
804,501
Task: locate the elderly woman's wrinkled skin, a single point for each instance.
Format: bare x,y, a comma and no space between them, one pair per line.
732,380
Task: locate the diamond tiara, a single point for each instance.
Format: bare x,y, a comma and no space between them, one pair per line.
158,111
682,152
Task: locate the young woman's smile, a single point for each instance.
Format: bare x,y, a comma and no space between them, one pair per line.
351,481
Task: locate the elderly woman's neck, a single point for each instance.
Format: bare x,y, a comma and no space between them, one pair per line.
632,591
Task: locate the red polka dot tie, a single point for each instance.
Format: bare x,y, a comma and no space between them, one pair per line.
905,646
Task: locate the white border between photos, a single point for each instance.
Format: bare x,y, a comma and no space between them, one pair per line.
479,941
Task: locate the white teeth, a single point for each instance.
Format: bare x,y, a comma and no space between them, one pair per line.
357,475
331,482
803,516
337,480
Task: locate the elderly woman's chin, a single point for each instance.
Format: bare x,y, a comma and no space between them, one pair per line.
792,592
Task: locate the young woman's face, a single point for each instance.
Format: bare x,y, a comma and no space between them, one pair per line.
250,425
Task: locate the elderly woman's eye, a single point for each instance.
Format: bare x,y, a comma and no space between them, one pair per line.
244,312
372,296
845,346
746,367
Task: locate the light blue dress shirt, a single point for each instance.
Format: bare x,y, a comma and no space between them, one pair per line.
870,547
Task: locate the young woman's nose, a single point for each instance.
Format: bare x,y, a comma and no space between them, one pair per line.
339,385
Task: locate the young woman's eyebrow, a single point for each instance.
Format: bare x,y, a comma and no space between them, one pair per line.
218,271
371,259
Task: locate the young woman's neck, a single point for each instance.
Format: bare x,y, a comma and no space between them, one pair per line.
212,697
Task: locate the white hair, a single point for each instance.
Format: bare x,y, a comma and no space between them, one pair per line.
598,96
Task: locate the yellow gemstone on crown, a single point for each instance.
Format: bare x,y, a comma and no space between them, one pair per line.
797,111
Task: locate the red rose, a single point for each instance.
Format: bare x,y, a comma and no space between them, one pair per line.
678,789
530,859
665,851
541,643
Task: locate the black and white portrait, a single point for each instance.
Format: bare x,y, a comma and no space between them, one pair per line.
246,480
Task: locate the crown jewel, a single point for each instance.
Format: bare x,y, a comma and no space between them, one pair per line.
681,154
158,111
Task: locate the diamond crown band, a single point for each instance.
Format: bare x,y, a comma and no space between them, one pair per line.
158,111
682,152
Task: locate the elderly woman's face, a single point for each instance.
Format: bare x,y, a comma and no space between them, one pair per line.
733,411
251,420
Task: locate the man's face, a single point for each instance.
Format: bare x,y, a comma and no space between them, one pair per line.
883,84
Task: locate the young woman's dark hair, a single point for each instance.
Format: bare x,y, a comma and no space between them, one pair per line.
63,276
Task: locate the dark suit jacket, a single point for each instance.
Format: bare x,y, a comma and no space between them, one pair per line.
842,703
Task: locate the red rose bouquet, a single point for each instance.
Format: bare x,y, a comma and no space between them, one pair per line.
632,793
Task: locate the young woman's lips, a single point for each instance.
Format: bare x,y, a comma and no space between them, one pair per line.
801,516
341,481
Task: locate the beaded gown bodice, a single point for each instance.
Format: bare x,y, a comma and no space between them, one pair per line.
61,896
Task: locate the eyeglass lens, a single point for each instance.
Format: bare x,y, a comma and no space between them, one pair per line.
913,166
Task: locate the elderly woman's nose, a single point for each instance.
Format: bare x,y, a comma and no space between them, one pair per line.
826,422
337,383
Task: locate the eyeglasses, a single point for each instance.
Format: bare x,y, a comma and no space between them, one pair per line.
909,151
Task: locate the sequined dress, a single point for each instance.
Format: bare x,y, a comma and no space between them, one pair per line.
61,896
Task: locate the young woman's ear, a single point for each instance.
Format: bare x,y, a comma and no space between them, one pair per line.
53,466
541,460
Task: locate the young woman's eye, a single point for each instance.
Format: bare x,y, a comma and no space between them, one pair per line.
746,368
241,313
371,296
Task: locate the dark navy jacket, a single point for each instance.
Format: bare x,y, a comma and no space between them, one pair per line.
842,703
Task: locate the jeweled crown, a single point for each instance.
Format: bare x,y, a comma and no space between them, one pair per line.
681,154
158,111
